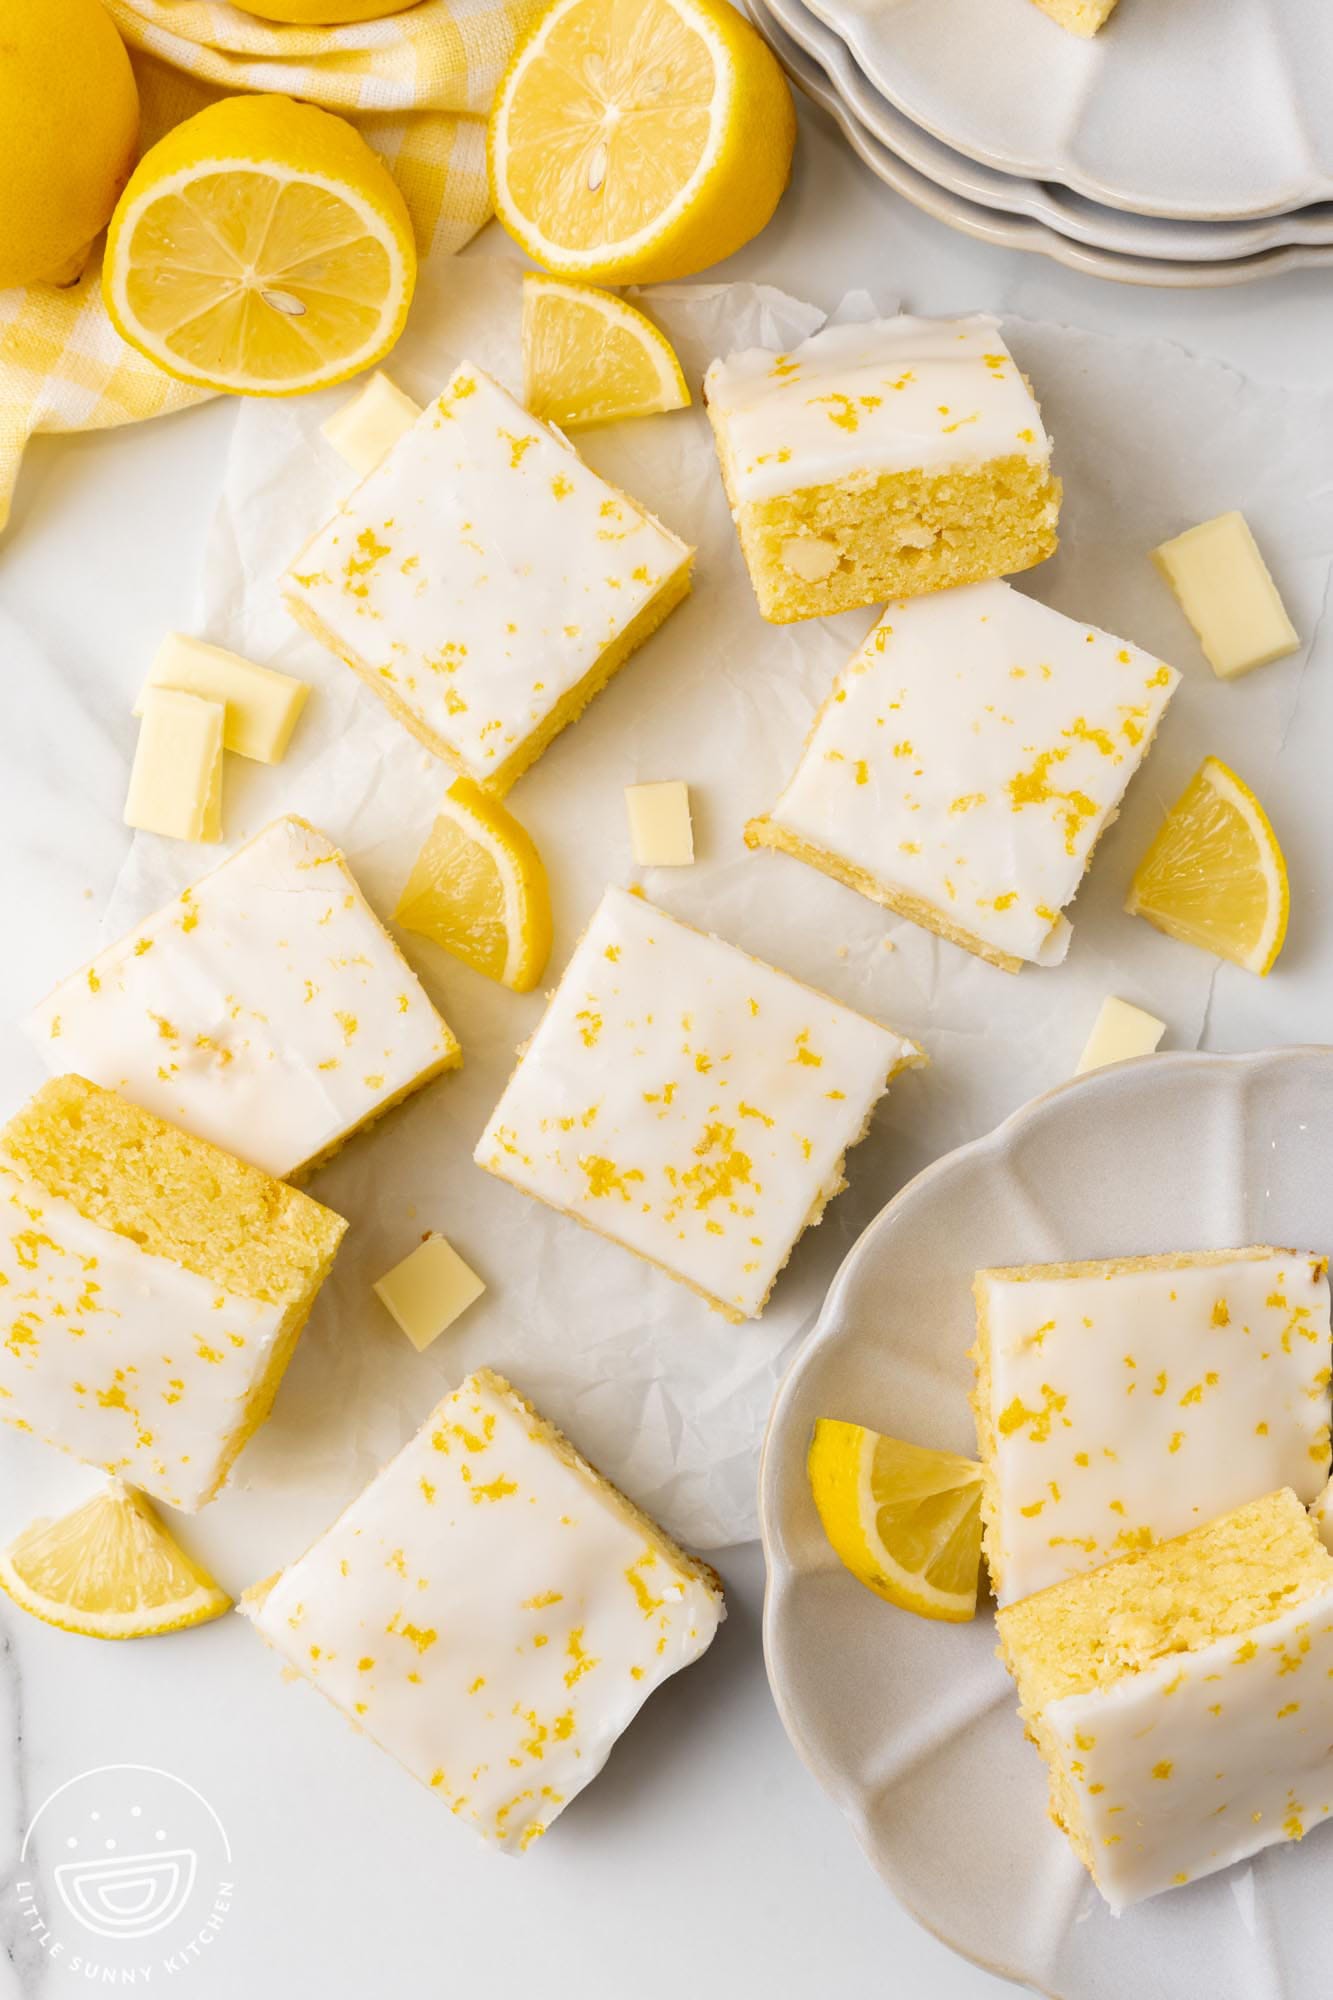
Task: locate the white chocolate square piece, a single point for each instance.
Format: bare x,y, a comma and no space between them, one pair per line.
688,1101
1121,1403
491,1612
266,1009
1223,587
367,428
262,706
428,1290
659,823
484,582
967,762
1119,1033
176,777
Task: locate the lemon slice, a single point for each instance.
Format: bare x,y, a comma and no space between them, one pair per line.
109,1570
478,887
639,142
1215,876
905,1521
260,247
588,358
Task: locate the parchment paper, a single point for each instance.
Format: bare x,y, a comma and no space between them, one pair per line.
666,1397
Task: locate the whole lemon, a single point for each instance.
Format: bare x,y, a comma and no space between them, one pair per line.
323,13
69,131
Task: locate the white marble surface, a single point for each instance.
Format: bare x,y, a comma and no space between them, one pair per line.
705,1853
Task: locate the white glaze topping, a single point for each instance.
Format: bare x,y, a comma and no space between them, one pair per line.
971,753
491,1613
688,1100
1204,1757
267,1009
481,570
886,395
122,1358
1130,1406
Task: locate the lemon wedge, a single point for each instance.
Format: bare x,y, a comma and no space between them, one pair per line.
639,143
109,1570
588,358
1215,876
260,247
905,1521
478,888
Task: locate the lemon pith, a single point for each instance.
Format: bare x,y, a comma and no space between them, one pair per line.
260,247
478,887
109,1570
906,1521
1215,875
590,358
639,141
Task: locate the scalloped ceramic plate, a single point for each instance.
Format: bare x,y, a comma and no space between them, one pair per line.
911,1726
1178,107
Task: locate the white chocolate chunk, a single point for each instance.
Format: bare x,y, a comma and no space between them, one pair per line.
810,557
176,779
1119,1032
429,1290
659,823
366,429
262,705
1223,587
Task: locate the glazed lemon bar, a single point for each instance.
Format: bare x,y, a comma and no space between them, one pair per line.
689,1102
968,760
484,581
492,1612
880,460
1182,1698
266,1009
1123,1401
151,1289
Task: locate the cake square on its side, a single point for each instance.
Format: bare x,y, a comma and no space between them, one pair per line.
492,1612
1123,1401
1182,1698
688,1101
266,1009
1081,17
881,460
152,1289
967,762
485,582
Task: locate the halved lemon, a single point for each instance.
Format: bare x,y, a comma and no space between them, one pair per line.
260,247
1215,876
639,139
905,1520
109,1570
588,358
478,888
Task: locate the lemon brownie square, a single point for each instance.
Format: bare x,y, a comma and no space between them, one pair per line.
266,1009
967,762
1182,1697
151,1289
689,1102
881,460
1123,1401
485,582
492,1612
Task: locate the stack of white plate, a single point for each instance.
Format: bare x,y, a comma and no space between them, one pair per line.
1189,143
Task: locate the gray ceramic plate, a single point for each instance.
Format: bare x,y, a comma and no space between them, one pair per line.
911,1726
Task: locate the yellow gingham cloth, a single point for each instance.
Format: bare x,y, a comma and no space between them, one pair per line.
417,85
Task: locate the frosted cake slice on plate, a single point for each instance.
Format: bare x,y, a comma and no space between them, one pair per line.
969,758
484,581
152,1289
492,1612
688,1101
1121,1402
266,1009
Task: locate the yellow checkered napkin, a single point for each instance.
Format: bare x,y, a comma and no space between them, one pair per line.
417,85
